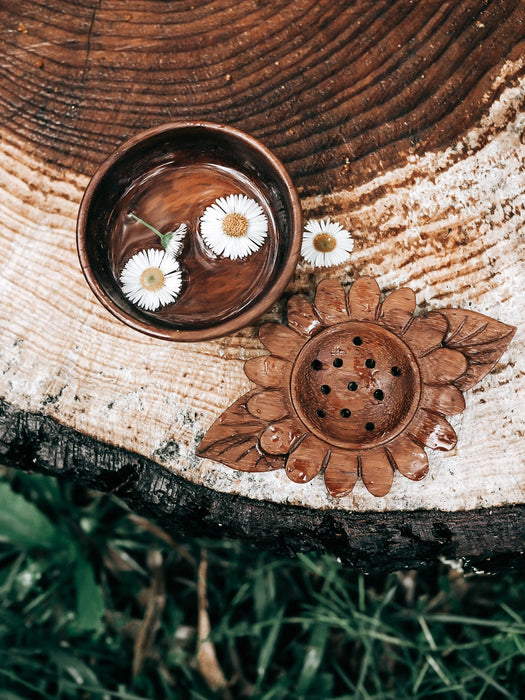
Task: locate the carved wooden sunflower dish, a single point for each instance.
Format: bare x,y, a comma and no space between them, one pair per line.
355,388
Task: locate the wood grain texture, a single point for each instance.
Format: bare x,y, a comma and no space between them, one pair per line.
339,90
402,121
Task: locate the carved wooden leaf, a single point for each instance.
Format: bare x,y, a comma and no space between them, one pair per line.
234,440
481,339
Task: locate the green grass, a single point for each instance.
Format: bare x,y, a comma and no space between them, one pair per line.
97,603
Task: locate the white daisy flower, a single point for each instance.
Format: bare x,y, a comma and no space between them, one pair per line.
174,240
326,243
151,278
234,226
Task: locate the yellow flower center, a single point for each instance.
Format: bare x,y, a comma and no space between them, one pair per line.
235,225
324,243
152,279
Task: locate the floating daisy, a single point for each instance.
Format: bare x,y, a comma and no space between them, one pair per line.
172,241
326,243
234,226
151,279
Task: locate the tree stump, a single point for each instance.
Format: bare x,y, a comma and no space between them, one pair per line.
401,120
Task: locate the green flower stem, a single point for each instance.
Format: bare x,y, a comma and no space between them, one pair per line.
145,223
165,238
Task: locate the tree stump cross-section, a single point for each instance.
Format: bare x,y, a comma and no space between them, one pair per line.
403,121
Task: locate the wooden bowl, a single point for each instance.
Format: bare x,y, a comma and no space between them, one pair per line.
168,175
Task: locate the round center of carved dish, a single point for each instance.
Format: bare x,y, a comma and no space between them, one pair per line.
324,243
355,385
235,225
152,279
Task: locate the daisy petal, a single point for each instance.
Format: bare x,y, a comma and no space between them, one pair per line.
363,299
432,430
341,473
409,457
174,240
446,400
301,316
268,405
330,302
280,340
306,461
268,371
442,366
376,471
397,310
425,333
279,437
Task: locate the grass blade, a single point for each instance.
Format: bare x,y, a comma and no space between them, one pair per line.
313,657
22,524
268,649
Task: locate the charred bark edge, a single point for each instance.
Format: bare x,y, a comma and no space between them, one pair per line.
485,539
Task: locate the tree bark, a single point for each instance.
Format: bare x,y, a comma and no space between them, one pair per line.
403,121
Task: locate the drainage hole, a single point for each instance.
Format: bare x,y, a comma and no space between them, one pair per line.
357,340
346,412
338,362
396,371
317,365
379,395
352,386
369,427
321,413
370,363
325,389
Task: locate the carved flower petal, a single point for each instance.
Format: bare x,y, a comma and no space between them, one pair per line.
425,333
268,405
446,400
268,371
442,366
279,437
301,316
363,299
409,457
243,453
280,340
330,302
376,471
432,430
397,310
233,440
342,472
307,460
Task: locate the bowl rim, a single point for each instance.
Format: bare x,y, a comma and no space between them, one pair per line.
245,317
